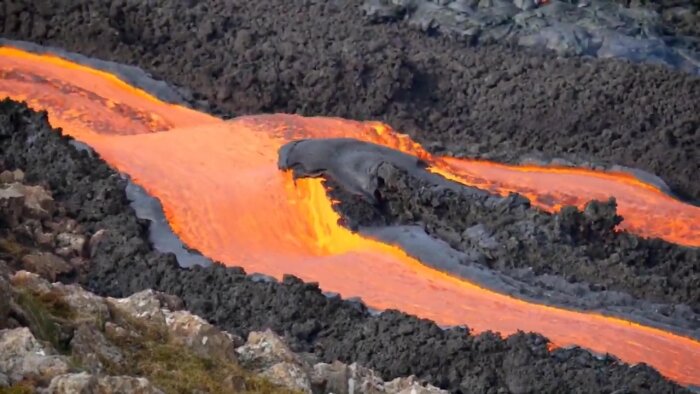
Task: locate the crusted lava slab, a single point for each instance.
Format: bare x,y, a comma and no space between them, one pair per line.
324,58
571,258
393,343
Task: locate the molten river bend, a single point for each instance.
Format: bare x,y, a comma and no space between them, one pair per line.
223,195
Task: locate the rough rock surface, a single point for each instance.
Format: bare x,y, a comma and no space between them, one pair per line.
22,357
105,332
83,382
323,58
184,328
267,353
392,343
33,237
130,345
597,28
340,378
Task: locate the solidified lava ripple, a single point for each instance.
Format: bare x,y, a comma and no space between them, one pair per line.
223,195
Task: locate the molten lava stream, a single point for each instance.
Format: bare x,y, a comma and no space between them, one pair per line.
223,195
646,210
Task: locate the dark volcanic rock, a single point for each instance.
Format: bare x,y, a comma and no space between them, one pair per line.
325,58
392,343
597,28
680,17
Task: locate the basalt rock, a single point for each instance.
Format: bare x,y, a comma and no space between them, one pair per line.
345,379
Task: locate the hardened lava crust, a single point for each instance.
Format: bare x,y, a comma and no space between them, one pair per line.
500,102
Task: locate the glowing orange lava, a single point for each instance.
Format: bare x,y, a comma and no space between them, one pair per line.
223,194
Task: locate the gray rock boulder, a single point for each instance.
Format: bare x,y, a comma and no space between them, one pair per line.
265,349
6,177
11,206
290,375
23,357
47,265
184,328
93,350
11,176
201,337
87,383
340,378
70,244
144,305
37,201
267,353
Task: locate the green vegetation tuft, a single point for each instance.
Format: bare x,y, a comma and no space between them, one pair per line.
147,350
19,388
47,317
175,369
12,248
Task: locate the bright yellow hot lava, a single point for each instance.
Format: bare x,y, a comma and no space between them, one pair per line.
222,193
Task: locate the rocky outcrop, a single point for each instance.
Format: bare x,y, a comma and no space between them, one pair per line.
38,236
23,357
183,328
85,383
341,378
32,201
119,345
267,353
75,341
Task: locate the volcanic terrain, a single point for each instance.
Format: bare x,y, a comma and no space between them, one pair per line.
432,230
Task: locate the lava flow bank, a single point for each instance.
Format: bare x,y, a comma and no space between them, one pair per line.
223,195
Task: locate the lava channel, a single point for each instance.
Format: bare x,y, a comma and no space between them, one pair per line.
223,195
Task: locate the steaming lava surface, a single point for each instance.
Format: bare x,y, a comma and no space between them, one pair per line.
377,215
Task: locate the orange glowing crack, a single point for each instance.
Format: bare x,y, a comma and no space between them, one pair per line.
223,195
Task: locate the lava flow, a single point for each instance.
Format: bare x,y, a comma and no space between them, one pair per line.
223,195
